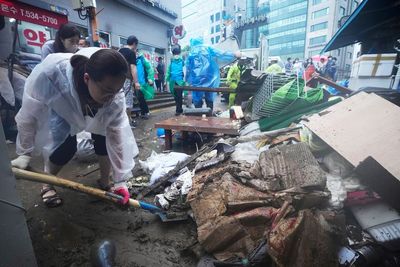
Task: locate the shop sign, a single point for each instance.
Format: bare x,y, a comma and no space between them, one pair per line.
24,12
174,40
246,22
178,32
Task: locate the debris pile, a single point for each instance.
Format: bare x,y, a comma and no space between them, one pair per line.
321,192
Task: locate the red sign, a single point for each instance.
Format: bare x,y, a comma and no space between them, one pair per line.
34,38
179,32
31,14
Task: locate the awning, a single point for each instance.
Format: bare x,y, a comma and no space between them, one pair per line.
373,19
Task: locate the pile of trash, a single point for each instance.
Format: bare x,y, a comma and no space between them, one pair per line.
320,192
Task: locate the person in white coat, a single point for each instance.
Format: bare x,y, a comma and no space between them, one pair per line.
67,94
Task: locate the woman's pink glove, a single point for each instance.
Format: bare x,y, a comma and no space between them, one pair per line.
122,190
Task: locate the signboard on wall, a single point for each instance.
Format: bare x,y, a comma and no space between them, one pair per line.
32,37
24,12
178,32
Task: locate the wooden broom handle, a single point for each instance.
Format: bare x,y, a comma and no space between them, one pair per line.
54,180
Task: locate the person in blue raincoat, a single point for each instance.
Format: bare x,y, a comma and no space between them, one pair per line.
202,69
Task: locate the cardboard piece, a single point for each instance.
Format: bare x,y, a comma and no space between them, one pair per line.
361,126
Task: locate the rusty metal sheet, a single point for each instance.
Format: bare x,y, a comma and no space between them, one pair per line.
288,166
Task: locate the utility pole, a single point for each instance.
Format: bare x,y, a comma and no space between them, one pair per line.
87,10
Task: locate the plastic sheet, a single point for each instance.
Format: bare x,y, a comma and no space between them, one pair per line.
247,152
6,89
202,64
160,164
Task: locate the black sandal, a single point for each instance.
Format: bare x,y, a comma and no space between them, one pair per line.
103,186
53,200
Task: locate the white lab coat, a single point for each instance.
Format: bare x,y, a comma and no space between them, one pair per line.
51,111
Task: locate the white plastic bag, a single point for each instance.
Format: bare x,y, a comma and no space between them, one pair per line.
337,165
248,152
158,165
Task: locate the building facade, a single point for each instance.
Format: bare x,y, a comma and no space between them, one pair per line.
300,28
324,19
286,28
150,20
208,19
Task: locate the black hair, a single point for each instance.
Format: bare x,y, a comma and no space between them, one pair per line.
86,41
132,40
176,50
66,31
105,62
160,58
289,58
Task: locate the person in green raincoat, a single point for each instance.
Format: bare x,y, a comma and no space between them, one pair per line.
274,68
145,75
233,79
175,76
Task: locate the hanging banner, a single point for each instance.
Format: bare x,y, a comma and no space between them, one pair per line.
21,11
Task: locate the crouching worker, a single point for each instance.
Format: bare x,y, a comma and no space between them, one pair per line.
67,94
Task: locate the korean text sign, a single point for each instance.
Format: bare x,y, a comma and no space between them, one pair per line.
21,11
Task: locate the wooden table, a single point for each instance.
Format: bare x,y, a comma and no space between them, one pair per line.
205,89
197,124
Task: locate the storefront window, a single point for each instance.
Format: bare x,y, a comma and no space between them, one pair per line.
84,31
104,39
32,37
122,41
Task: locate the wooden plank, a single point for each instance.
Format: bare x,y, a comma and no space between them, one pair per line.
200,124
361,126
205,89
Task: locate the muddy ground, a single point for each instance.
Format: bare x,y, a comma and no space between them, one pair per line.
64,236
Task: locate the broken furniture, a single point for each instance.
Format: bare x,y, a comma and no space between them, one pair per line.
198,125
318,78
197,111
204,89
